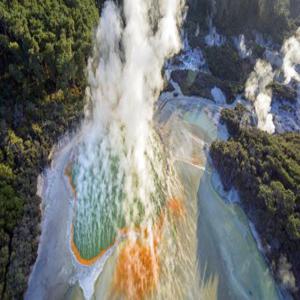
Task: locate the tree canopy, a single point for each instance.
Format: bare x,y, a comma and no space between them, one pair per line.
274,17
265,169
44,46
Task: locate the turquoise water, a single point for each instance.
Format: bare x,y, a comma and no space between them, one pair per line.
226,246
98,212
102,208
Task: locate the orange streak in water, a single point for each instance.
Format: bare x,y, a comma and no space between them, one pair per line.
176,207
138,264
137,270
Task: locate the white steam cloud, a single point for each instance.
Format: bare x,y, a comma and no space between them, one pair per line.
285,274
125,77
119,155
125,73
291,52
257,91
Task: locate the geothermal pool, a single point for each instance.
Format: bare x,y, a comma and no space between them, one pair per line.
129,207
208,237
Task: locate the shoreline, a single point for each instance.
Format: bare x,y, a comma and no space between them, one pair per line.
225,196
55,202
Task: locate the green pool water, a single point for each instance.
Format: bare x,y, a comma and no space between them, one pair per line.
98,212
102,207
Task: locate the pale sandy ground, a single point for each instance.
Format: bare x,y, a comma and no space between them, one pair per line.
53,268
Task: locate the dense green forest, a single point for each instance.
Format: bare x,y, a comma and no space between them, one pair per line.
276,18
265,169
44,45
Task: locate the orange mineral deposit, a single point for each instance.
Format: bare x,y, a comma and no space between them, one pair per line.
137,270
176,207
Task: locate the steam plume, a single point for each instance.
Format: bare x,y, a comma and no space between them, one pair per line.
291,52
120,171
257,91
125,81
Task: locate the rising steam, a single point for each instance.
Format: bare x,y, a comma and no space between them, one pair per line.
257,91
121,174
291,52
258,85
125,76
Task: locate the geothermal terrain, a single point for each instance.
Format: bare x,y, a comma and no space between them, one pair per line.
150,149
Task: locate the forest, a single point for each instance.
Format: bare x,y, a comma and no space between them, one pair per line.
44,46
276,18
265,170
